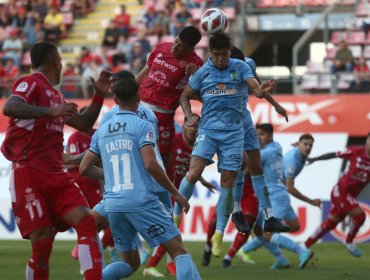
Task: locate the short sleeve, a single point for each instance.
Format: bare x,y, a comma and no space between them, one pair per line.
246,71
26,88
146,135
251,64
347,154
290,169
72,145
195,80
94,146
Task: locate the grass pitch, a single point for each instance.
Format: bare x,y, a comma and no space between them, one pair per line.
331,261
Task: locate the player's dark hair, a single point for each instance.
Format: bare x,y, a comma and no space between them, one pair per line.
42,53
306,136
190,35
123,74
219,41
265,127
186,119
237,53
126,90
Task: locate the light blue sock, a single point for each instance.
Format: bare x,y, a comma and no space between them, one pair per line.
252,245
223,208
116,271
185,268
286,243
238,187
273,249
101,249
185,189
261,191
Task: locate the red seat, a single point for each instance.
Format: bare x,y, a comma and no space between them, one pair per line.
356,37
337,36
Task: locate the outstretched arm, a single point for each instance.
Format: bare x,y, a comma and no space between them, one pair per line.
296,193
322,157
142,74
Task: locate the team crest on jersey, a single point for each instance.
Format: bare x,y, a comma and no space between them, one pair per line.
222,86
22,87
165,134
150,136
233,74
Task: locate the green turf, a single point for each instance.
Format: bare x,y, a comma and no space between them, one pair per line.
331,261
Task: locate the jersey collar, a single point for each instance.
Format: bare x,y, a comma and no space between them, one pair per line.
211,63
125,112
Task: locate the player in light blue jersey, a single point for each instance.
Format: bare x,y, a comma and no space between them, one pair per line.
220,84
273,167
294,161
125,145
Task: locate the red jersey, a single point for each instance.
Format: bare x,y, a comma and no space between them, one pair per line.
358,174
78,142
37,143
181,152
166,78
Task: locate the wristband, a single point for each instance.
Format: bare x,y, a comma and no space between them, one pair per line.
98,99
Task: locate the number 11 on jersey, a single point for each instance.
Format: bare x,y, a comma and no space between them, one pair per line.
117,175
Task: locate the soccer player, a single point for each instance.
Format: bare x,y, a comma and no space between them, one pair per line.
125,145
163,79
77,143
273,166
181,151
221,84
344,193
44,198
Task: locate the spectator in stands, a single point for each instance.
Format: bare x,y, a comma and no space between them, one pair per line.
12,47
138,58
33,34
93,70
111,34
147,48
366,26
182,18
161,24
361,71
123,49
69,81
123,21
343,59
53,25
85,57
40,9
20,19
149,20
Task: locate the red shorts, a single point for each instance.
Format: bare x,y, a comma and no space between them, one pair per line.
166,130
342,202
92,195
249,200
41,199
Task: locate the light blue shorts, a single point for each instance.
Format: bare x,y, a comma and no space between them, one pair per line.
155,225
250,137
280,202
227,144
164,198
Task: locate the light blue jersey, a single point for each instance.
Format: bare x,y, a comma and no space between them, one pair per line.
222,92
273,166
128,185
145,114
293,163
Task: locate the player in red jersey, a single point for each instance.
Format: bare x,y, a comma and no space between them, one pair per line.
344,193
249,205
77,143
181,151
163,79
44,198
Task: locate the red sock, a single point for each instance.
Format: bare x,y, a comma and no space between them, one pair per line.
356,223
240,238
323,229
107,239
211,229
157,256
38,264
88,248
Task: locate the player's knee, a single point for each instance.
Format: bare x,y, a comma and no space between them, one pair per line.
101,222
193,176
359,219
86,226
